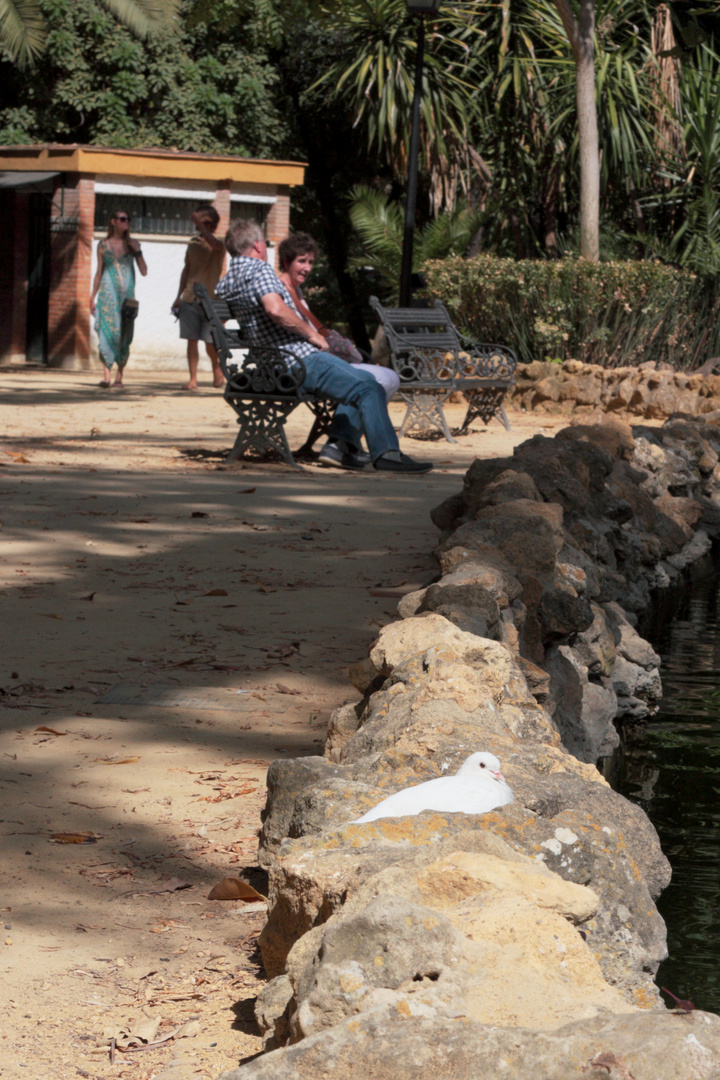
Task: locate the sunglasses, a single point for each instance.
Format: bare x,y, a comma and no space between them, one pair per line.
122,217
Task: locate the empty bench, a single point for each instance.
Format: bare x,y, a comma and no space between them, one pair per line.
433,360
263,387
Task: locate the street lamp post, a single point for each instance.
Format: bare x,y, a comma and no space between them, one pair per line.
419,8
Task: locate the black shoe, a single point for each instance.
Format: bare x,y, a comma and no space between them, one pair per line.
331,454
400,462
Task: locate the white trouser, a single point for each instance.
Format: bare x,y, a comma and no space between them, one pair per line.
388,379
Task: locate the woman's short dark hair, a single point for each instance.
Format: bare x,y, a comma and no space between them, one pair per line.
299,243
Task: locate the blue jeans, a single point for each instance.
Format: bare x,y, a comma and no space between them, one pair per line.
362,407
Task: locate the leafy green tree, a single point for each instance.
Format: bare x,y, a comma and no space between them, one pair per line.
24,28
196,87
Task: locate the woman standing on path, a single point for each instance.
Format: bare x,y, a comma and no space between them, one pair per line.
114,283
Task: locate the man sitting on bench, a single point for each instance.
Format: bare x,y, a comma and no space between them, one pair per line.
265,310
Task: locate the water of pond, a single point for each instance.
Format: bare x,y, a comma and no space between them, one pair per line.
671,767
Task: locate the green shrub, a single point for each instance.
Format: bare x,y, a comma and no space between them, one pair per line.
610,313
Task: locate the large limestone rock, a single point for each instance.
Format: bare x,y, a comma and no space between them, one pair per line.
583,711
285,780
471,932
406,1042
417,636
317,876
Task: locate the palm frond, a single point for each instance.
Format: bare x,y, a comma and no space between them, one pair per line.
380,223
144,18
374,75
22,30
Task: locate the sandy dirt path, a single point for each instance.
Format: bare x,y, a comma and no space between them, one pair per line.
170,625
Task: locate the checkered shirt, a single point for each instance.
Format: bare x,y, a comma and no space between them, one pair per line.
243,287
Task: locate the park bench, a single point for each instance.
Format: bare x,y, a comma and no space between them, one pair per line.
433,360
263,386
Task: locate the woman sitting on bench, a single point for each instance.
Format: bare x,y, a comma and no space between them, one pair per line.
296,256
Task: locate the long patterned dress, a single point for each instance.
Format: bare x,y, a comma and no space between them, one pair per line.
116,284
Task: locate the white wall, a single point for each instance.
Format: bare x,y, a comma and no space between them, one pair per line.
156,344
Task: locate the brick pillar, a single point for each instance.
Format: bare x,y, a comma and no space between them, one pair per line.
278,219
71,254
13,275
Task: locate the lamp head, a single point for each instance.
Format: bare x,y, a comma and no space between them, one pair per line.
423,7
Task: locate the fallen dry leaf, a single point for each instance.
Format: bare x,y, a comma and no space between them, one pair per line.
216,592
226,795
90,596
173,885
199,514
142,1032
232,888
116,760
393,591
74,838
259,762
283,689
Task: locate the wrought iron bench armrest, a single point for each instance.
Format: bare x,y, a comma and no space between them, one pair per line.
485,361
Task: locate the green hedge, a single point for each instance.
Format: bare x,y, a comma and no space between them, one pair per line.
613,313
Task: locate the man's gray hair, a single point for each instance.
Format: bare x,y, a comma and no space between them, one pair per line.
241,236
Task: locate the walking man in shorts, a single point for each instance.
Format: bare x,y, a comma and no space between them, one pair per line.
204,260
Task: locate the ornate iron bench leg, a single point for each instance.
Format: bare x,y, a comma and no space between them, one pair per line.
262,428
425,410
484,404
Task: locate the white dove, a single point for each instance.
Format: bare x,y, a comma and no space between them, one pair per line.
476,788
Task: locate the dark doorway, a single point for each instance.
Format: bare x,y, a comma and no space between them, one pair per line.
38,293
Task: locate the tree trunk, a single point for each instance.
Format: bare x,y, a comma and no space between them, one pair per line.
581,33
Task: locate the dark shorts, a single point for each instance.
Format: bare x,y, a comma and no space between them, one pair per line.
193,324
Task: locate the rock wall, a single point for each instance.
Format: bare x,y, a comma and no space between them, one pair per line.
647,391
523,941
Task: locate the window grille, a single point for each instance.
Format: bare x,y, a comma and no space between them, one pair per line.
165,217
